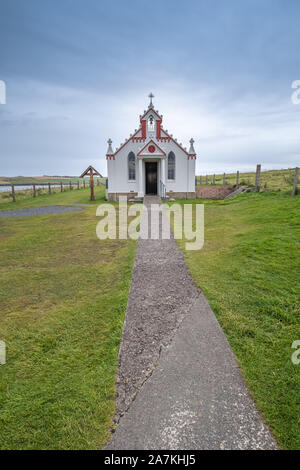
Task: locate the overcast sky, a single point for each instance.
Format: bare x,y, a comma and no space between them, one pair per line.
79,71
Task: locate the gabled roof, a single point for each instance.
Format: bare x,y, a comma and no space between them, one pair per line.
160,152
126,141
152,110
175,141
90,170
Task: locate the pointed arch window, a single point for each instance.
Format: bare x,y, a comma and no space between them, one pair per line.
171,166
131,166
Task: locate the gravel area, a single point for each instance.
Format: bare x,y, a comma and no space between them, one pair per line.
45,210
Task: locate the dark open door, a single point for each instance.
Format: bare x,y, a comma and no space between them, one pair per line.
151,177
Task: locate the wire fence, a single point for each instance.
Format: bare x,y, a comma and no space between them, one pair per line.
14,191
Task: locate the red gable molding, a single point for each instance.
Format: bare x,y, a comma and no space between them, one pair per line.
151,142
169,138
126,142
152,110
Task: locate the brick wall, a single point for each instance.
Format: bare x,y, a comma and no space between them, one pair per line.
213,192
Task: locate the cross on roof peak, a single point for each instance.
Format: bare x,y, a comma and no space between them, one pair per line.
151,96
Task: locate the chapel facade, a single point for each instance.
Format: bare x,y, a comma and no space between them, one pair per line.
150,161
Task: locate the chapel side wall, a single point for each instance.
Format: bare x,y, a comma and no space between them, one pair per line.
119,172
184,171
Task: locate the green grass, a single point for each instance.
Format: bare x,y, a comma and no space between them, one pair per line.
273,179
63,296
249,271
25,199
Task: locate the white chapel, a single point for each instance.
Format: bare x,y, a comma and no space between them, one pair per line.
151,161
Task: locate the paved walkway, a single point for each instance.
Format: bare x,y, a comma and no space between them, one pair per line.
179,385
44,210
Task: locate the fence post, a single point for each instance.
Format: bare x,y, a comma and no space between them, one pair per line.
257,177
98,182
294,190
206,180
224,179
61,187
78,184
70,185
214,179
200,179
13,193
84,183
49,188
237,178
34,191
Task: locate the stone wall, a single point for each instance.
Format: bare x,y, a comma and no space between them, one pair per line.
114,197
213,192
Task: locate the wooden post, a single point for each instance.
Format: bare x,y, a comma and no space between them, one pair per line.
84,183
70,185
237,178
224,179
214,179
78,184
206,180
200,179
34,191
294,190
98,182
257,177
49,188
92,186
13,193
61,187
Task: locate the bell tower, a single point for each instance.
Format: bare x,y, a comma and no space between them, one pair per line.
151,122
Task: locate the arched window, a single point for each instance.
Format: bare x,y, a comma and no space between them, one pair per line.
131,166
150,124
171,166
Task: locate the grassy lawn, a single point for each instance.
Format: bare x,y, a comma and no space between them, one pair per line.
273,179
249,271
63,296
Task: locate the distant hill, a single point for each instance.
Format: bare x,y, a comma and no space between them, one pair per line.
22,180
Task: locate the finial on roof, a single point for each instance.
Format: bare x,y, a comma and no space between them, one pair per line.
109,150
150,104
192,150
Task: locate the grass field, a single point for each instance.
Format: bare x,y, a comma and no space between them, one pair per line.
63,296
273,180
249,271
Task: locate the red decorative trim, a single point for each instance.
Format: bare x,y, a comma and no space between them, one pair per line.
192,156
152,111
110,157
143,129
139,154
158,129
178,145
125,143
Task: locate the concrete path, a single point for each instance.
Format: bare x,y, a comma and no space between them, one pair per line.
44,210
179,385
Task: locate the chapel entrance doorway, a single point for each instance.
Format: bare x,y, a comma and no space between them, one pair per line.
151,177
